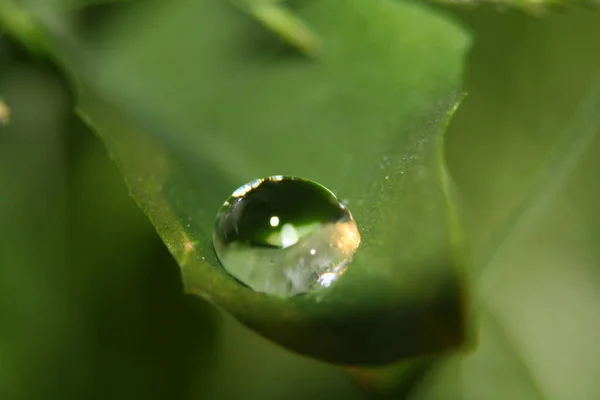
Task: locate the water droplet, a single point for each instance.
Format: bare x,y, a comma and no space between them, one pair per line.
285,236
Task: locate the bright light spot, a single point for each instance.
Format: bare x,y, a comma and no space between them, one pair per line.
188,246
289,236
274,221
327,278
4,113
242,190
348,238
313,252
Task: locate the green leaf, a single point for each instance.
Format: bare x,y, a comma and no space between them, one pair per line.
62,5
84,303
526,182
190,111
17,21
92,309
536,7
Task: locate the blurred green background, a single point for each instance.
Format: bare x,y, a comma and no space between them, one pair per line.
92,305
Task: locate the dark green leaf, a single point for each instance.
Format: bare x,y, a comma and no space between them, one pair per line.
33,306
190,111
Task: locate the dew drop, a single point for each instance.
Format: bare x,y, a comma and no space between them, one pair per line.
285,236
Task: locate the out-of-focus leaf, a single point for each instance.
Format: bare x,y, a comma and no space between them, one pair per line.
89,308
535,7
190,111
250,366
538,292
141,335
62,5
17,20
33,303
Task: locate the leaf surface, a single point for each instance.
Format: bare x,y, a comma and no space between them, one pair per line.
190,111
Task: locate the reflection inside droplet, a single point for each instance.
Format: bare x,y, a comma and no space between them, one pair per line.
285,236
327,278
